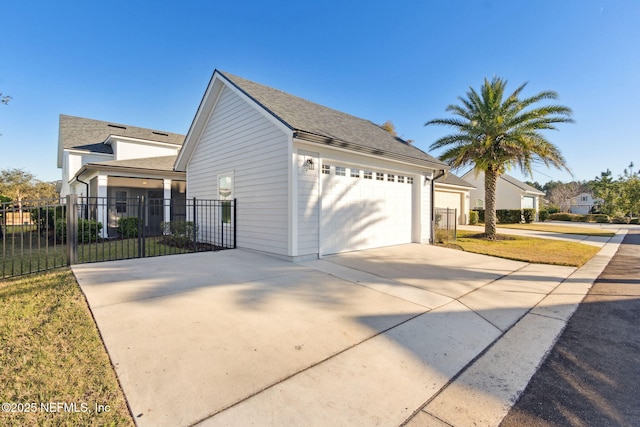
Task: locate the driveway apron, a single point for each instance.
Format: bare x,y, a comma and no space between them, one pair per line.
363,338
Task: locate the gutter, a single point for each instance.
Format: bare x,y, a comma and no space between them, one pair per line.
441,173
82,182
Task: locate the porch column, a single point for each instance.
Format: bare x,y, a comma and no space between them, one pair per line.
102,212
167,200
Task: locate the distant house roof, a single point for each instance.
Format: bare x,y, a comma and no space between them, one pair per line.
515,182
159,165
319,124
524,187
451,179
79,133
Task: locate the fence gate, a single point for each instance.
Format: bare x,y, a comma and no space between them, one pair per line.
446,224
45,234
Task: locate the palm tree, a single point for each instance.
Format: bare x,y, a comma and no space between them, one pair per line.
495,134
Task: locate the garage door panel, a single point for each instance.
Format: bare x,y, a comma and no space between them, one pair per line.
359,213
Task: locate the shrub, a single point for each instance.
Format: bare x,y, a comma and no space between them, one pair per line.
553,209
619,220
88,230
509,216
634,221
543,215
178,233
473,217
480,215
601,218
560,217
529,215
128,227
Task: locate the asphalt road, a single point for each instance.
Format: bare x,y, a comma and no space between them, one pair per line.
592,375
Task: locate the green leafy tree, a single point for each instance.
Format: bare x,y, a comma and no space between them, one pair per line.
606,189
19,185
496,132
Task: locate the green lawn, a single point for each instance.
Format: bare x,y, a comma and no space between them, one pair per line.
558,228
52,355
528,249
29,252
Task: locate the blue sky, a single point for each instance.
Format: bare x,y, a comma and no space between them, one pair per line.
147,63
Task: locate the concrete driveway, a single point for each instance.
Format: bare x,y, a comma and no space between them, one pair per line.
410,333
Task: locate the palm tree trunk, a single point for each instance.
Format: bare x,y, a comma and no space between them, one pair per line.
490,180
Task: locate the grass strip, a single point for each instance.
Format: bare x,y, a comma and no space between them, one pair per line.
54,369
527,249
556,228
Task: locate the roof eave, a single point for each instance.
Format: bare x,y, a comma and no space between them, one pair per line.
350,146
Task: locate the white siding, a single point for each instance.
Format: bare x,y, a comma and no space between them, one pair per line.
308,204
124,150
238,138
71,164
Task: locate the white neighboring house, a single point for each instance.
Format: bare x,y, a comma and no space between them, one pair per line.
510,193
117,162
454,193
308,180
583,203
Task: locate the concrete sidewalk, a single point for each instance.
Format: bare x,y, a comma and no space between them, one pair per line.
412,333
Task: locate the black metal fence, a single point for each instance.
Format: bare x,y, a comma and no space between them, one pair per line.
46,234
446,224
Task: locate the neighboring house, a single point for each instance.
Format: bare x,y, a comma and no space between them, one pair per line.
583,203
510,193
308,180
454,193
117,163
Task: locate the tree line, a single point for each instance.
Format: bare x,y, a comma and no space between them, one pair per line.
17,185
619,197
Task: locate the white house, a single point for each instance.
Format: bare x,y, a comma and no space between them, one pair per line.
308,180
510,193
116,162
452,192
583,203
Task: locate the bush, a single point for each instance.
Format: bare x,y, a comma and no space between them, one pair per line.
619,220
178,233
480,215
543,215
509,216
634,221
473,217
560,217
128,227
529,215
88,230
601,218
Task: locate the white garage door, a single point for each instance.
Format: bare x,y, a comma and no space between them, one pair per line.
364,209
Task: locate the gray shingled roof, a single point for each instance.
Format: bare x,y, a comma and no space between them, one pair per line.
88,134
521,185
164,163
320,124
452,179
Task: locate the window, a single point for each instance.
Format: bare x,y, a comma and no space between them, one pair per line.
355,173
326,169
225,193
121,201
391,178
340,171
368,175
584,198
401,179
379,176
409,180
479,203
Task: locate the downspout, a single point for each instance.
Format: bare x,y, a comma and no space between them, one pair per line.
85,183
433,204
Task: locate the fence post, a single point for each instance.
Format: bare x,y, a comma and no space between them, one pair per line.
195,233
72,229
233,222
140,226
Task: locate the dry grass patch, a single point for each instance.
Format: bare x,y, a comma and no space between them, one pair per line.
52,355
528,249
558,228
